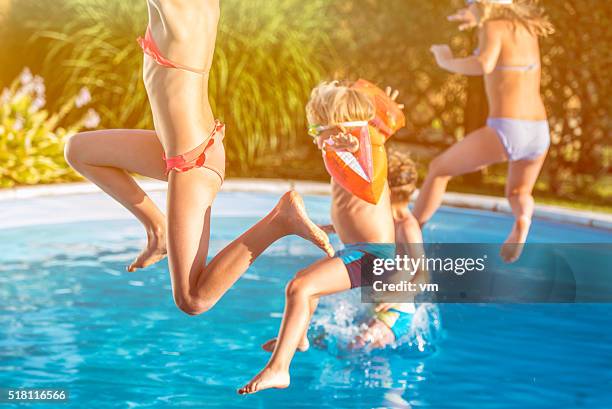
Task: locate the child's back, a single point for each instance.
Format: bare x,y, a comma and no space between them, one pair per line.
513,85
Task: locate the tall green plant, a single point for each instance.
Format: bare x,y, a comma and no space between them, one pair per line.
94,46
269,56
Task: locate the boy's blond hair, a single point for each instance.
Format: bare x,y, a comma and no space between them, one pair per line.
524,12
334,102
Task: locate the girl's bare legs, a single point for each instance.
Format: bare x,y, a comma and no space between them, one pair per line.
522,176
197,286
105,158
325,277
479,149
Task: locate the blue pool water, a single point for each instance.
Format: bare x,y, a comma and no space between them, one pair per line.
70,317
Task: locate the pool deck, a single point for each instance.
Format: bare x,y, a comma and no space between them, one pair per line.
47,204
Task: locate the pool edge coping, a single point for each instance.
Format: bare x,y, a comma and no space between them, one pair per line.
452,199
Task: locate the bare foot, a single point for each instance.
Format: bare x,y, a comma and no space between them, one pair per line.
513,246
270,344
293,213
154,252
266,379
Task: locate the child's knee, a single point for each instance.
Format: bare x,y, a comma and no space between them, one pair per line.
192,305
296,287
518,193
72,150
438,168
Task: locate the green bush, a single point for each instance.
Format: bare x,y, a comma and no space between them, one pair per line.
31,141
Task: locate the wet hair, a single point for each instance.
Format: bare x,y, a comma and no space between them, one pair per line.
526,13
334,102
402,174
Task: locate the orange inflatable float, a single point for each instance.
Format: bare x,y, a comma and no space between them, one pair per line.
364,173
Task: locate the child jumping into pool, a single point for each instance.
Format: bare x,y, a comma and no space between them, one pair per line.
337,113
390,321
186,151
508,56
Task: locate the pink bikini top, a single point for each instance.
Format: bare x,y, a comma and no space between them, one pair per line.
149,47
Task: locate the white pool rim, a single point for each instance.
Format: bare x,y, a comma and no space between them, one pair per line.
277,186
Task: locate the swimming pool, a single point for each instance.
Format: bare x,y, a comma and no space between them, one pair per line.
71,317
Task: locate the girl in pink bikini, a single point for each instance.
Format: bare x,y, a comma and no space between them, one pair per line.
186,150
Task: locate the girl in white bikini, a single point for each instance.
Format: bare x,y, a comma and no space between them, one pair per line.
517,131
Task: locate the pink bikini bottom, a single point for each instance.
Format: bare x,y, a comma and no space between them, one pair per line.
210,155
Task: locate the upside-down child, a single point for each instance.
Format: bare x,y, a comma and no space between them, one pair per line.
346,126
390,322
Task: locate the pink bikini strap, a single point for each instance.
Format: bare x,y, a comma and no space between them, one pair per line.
149,47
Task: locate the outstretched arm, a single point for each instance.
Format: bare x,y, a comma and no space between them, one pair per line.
484,63
409,239
466,18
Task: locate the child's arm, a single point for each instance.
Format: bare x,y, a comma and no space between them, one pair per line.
410,242
484,63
